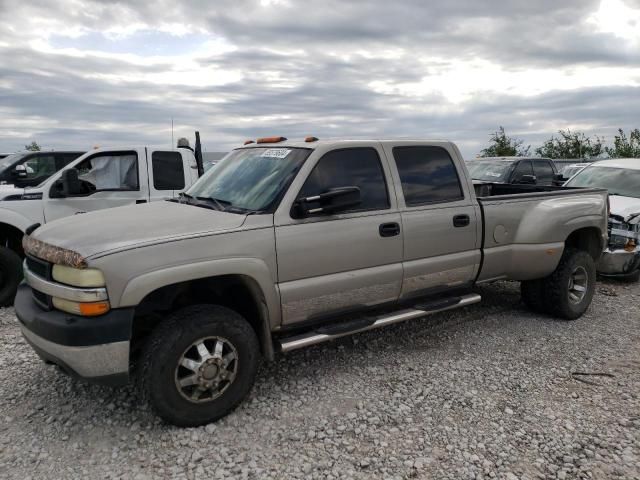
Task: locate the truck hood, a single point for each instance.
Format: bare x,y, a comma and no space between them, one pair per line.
126,227
626,209
9,190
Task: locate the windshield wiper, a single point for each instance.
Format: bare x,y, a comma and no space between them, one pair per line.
221,204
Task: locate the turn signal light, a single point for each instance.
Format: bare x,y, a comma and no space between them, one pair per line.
247,142
311,139
85,309
271,139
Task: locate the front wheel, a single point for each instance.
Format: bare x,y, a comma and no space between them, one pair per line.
569,289
199,364
10,275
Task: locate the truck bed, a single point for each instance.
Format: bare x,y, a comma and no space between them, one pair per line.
525,226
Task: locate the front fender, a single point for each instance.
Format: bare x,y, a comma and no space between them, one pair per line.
18,220
137,288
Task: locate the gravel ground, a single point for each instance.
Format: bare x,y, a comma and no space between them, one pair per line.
491,391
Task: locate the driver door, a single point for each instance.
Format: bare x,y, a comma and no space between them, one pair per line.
110,179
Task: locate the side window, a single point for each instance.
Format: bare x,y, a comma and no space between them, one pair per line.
523,168
110,171
168,172
427,174
543,172
351,167
40,166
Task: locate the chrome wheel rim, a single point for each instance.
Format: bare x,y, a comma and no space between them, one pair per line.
578,283
206,369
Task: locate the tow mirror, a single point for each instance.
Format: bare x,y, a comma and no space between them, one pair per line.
20,171
528,179
67,185
334,200
559,179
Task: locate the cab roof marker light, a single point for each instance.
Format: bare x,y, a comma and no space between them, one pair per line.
311,139
248,142
271,139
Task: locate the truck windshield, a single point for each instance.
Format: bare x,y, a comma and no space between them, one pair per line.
251,179
490,171
9,160
619,181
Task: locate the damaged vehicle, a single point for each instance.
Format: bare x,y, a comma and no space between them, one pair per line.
621,258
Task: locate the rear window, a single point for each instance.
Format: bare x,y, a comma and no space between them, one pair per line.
428,175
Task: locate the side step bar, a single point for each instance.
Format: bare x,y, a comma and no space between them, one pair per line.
316,336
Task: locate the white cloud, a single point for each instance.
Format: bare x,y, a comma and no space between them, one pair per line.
617,18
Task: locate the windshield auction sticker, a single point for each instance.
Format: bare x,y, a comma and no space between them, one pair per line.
276,153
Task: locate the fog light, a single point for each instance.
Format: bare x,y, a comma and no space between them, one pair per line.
92,309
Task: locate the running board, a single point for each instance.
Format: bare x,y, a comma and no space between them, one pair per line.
325,334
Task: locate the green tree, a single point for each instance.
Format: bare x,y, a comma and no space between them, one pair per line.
624,147
570,144
32,147
504,146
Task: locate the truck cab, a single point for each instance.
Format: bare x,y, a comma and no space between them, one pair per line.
101,178
28,169
513,170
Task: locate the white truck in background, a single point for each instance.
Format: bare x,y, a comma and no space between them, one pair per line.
99,179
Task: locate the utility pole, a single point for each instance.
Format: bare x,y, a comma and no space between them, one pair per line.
172,144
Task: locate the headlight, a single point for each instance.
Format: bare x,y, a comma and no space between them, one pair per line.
78,277
92,309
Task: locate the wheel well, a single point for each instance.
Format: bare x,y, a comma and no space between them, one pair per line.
11,238
588,239
237,292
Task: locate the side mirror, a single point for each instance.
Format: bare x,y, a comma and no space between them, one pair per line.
67,185
559,179
332,201
527,179
20,171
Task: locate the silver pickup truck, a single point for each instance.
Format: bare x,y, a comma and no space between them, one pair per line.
288,244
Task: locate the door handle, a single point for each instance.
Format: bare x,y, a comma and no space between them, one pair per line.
141,201
389,229
460,220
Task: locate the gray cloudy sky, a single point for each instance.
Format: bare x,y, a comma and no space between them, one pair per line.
76,73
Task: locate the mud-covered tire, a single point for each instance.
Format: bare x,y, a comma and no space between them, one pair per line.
532,293
166,348
10,275
559,289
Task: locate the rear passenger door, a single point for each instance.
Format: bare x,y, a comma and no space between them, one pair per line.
543,170
439,219
332,263
166,174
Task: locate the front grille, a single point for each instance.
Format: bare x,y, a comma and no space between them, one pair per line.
39,267
42,299
42,269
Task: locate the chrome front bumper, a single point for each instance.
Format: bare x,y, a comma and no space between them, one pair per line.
619,262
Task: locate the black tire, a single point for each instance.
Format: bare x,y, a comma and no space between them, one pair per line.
168,344
557,286
10,275
532,293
